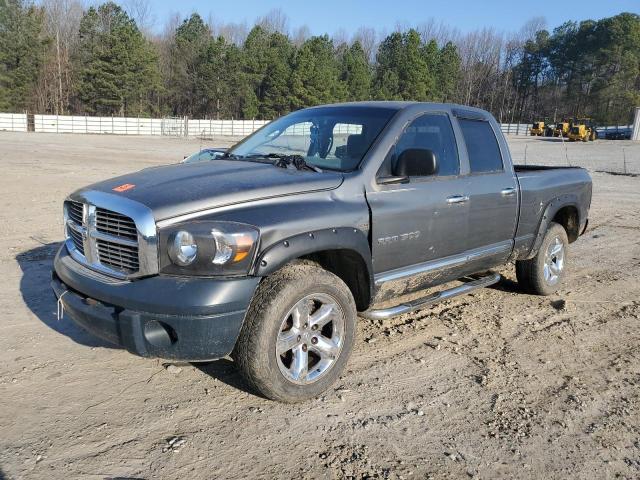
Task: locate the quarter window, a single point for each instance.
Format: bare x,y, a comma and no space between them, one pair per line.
432,132
482,146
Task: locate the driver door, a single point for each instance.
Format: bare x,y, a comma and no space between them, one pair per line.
420,227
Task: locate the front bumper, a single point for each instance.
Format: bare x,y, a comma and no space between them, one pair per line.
177,318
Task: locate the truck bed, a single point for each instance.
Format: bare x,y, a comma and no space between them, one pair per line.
541,185
529,168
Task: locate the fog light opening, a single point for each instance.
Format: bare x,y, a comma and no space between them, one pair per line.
159,334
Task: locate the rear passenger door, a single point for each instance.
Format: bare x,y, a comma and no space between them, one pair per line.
493,196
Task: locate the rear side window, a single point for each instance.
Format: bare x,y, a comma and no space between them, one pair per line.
432,132
482,146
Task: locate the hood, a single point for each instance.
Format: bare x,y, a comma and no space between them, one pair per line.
186,188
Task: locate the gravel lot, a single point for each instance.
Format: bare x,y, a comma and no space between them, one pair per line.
494,384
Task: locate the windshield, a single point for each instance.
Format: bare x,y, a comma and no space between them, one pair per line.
335,138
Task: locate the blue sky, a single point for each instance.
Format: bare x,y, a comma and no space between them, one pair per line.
329,16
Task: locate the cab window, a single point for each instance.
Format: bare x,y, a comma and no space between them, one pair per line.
432,132
482,146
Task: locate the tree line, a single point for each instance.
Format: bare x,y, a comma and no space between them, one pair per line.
57,56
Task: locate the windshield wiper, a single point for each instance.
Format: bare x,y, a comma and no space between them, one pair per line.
291,161
231,156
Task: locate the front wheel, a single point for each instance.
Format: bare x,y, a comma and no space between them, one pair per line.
544,273
298,333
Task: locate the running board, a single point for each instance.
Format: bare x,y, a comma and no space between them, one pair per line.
413,305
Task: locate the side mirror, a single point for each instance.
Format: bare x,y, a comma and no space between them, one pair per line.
416,162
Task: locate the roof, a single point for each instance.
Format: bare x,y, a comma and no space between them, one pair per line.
402,104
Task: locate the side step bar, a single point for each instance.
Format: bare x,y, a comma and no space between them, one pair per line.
419,303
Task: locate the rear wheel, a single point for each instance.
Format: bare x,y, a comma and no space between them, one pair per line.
544,273
298,333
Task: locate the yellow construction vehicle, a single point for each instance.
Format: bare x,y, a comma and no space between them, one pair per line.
561,130
582,129
578,132
537,129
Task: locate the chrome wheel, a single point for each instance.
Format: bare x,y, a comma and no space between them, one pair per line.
554,261
310,338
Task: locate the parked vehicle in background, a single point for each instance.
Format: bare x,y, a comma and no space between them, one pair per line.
537,129
616,133
582,130
269,252
205,155
561,129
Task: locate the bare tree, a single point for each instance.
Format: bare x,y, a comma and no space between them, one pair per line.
438,31
232,32
300,35
275,20
340,36
62,20
142,13
531,27
368,38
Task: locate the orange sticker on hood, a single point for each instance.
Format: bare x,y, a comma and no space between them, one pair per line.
124,187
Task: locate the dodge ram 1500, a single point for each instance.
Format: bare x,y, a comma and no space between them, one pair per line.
271,252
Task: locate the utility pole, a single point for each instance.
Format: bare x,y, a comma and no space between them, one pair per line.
635,133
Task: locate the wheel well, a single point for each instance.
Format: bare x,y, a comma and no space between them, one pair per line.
569,218
351,268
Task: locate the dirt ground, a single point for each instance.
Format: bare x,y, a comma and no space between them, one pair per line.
494,384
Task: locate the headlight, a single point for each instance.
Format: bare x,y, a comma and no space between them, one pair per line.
208,248
182,248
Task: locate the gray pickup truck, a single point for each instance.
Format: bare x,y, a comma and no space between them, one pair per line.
268,253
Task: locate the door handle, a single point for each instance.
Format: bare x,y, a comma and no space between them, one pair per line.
508,192
458,199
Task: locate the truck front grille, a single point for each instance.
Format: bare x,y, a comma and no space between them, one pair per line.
123,258
75,211
76,238
113,223
102,239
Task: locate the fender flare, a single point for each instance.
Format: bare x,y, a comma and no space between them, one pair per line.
282,252
553,207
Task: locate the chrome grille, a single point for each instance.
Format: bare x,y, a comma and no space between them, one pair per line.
102,239
74,210
119,257
113,223
76,238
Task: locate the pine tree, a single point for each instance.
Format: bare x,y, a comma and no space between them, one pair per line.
117,68
405,68
268,58
386,85
447,72
276,91
315,73
189,47
21,53
356,72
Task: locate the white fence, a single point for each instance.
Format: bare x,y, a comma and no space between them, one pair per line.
515,128
180,126
13,122
111,125
221,128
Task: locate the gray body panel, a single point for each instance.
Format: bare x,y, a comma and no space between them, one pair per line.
177,189
454,240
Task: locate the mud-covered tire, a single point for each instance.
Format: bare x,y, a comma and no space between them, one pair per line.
278,301
545,273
